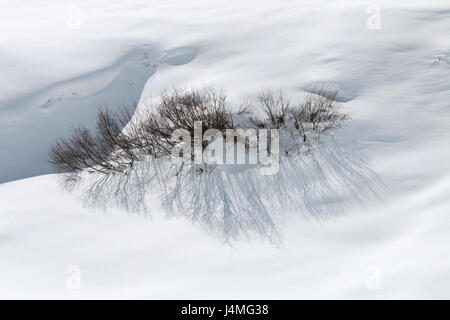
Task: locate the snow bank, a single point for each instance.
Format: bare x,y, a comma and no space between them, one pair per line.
393,81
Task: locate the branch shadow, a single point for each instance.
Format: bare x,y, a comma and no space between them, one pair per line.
233,202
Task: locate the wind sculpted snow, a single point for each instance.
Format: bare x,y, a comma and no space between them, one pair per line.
31,122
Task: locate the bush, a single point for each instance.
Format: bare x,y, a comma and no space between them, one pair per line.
120,138
321,110
275,105
111,149
179,110
105,151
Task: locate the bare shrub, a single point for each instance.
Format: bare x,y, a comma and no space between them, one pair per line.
111,149
180,109
318,113
321,110
275,105
105,151
298,118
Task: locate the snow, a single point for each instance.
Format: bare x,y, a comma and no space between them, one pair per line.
379,230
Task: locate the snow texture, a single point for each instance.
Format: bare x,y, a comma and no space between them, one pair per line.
365,216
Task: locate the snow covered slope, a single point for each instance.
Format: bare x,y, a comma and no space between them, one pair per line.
395,83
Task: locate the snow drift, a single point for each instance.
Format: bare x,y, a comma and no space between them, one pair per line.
393,81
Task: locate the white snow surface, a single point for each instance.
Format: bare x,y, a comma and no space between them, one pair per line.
379,229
